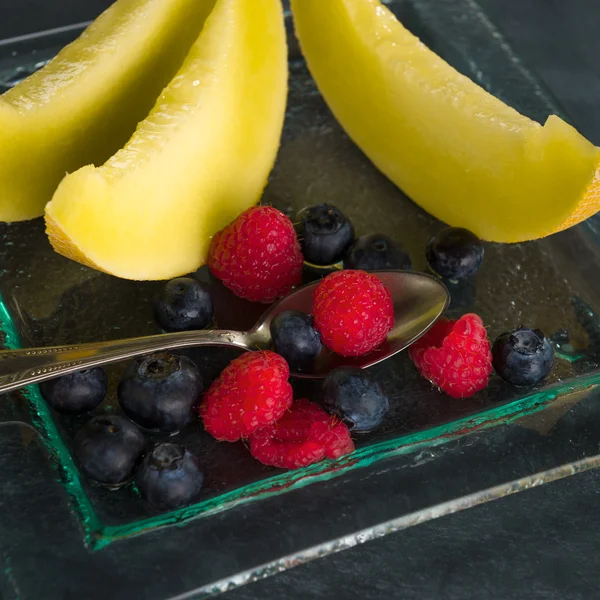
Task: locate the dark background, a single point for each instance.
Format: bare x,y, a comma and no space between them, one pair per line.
541,544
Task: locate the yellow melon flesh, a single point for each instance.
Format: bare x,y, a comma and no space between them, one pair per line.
85,104
460,153
201,157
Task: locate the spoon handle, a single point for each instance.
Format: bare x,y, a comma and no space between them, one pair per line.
19,368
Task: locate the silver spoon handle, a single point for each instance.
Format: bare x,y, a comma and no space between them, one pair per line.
19,368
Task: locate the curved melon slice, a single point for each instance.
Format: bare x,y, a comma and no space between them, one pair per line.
462,154
85,104
201,157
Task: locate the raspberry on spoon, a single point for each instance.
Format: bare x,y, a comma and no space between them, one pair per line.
353,312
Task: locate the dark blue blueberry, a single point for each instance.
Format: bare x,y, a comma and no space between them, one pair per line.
296,339
169,477
108,449
377,252
159,391
352,395
184,304
75,393
325,234
455,253
523,356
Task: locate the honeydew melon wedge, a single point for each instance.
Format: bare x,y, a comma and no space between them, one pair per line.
199,159
463,155
85,104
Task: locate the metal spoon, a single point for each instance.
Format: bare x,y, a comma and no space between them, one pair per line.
419,300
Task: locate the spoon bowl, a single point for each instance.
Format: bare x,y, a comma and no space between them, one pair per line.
419,300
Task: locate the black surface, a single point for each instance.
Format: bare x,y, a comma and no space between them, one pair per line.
19,17
541,544
538,544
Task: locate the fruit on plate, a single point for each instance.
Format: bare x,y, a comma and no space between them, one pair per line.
257,256
523,356
85,104
377,252
325,234
355,397
459,152
158,391
252,392
455,356
296,339
200,158
305,434
108,449
76,393
184,304
455,253
169,477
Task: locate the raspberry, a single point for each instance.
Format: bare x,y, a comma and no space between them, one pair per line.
353,312
305,435
252,392
257,256
455,356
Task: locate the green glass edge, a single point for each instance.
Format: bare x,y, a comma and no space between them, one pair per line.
98,536
51,438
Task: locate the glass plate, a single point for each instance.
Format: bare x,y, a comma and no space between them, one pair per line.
432,456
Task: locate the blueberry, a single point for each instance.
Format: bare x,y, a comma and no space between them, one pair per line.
523,356
455,253
296,339
353,396
183,304
169,477
377,252
108,449
75,393
325,234
159,391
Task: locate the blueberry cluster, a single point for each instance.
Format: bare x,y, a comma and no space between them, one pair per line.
158,393
327,238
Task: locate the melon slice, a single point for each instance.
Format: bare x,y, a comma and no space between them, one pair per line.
463,155
201,157
85,104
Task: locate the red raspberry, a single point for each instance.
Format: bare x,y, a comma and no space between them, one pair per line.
305,435
353,311
252,392
455,356
257,256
